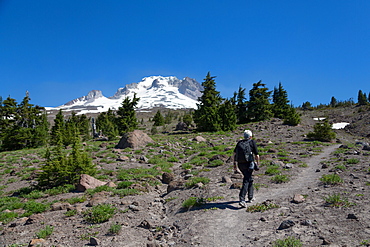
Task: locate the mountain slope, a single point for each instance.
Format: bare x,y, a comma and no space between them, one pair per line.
153,91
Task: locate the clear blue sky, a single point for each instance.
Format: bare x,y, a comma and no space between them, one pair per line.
59,50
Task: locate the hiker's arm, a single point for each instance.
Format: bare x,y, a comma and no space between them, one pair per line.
257,159
236,170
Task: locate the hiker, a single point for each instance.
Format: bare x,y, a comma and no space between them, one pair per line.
246,154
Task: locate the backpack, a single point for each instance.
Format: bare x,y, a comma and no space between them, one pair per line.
244,152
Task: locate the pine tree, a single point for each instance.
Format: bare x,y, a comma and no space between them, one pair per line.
105,124
206,116
23,125
241,105
158,119
187,119
228,116
58,128
322,131
333,102
258,106
361,99
61,168
126,116
280,106
306,106
292,117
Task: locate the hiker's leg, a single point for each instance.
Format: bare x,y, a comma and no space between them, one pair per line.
243,190
250,186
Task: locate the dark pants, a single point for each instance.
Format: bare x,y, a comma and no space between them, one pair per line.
247,182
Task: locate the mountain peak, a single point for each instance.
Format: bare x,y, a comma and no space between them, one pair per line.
153,91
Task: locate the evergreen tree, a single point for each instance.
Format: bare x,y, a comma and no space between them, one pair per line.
258,106
105,123
61,168
361,99
228,116
187,119
306,106
280,106
58,128
158,119
241,105
126,116
292,117
322,131
168,117
333,102
206,116
25,125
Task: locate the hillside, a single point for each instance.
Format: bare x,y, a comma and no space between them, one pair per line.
331,214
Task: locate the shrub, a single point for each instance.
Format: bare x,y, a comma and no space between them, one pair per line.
352,161
322,132
335,200
261,207
6,217
287,242
33,207
46,232
194,180
124,184
99,213
280,179
70,213
331,179
272,170
114,229
215,163
193,202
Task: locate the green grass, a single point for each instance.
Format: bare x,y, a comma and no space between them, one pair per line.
33,207
114,229
45,233
335,200
99,213
280,179
126,192
215,163
7,217
353,161
287,242
261,207
193,202
194,180
331,179
272,170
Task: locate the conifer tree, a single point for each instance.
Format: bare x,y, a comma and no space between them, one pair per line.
158,119
126,116
240,101
333,102
280,106
306,106
206,116
292,117
187,119
322,131
361,99
228,116
258,106
61,168
58,128
105,123
25,125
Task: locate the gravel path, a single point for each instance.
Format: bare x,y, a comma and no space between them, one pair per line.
232,226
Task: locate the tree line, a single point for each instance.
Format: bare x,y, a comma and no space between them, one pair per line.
24,125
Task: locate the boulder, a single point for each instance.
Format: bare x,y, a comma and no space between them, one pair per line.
88,182
134,140
298,198
199,139
167,177
181,126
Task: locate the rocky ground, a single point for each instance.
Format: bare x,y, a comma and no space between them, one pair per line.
157,217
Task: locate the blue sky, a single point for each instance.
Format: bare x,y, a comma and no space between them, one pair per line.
59,50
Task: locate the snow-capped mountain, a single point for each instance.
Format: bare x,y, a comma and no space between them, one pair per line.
153,91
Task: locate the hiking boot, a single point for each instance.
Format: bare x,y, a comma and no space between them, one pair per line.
252,200
242,204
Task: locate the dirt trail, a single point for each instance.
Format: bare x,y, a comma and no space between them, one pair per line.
232,226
